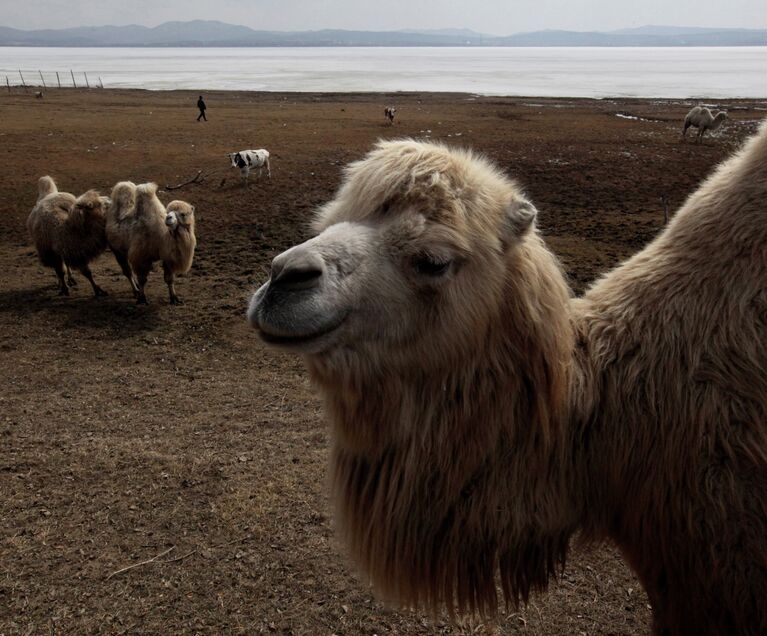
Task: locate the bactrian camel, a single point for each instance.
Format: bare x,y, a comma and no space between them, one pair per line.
68,232
481,415
141,230
702,119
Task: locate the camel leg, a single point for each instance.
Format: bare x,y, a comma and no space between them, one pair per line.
142,274
59,267
127,271
86,271
170,281
70,279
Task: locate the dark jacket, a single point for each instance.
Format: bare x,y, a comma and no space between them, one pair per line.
201,104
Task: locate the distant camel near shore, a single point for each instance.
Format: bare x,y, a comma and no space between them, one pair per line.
702,119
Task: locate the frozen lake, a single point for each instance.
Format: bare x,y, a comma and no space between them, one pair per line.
547,72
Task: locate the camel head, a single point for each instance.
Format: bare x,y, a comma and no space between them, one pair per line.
179,214
426,272
719,119
434,322
409,259
90,205
171,220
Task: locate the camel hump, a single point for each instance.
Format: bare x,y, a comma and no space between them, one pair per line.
123,199
146,189
146,200
45,186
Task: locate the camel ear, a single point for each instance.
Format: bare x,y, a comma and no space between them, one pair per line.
520,216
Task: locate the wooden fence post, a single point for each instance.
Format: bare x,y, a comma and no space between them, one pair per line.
58,79
23,83
87,85
100,82
73,78
42,79
8,84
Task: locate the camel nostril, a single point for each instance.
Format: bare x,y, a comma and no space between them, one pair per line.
294,278
297,269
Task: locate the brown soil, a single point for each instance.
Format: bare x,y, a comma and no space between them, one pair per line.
130,430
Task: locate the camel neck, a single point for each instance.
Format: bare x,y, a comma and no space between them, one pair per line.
454,494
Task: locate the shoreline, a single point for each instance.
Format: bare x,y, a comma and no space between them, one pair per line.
19,90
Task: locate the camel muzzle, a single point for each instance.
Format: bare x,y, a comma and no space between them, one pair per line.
290,310
296,270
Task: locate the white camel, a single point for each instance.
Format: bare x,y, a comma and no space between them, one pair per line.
482,416
703,120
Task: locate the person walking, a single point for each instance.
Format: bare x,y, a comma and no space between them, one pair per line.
202,107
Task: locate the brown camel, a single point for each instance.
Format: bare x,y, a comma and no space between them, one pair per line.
482,415
141,230
68,232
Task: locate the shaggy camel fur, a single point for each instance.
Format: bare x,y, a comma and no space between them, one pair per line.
68,232
482,416
140,231
702,119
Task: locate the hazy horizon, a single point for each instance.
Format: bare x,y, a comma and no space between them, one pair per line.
492,17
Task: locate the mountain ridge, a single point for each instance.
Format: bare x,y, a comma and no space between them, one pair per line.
213,33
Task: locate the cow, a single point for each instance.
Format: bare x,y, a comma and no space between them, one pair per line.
389,114
246,160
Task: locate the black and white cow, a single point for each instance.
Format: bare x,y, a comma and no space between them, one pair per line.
389,113
247,160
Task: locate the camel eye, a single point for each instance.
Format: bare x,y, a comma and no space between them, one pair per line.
431,267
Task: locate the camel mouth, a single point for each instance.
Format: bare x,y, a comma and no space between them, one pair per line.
294,321
297,340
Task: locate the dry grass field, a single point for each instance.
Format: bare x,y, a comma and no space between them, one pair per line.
170,439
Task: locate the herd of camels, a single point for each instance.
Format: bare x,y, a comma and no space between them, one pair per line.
482,415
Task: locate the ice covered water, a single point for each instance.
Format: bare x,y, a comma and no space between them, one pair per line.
678,72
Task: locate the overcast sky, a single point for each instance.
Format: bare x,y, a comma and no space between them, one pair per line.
498,17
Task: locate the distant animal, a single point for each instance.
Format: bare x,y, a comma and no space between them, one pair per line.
482,416
389,113
141,230
68,232
39,94
701,118
247,160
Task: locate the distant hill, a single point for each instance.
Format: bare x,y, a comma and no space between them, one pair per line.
642,36
214,33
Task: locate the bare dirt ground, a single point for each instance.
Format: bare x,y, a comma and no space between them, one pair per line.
130,432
